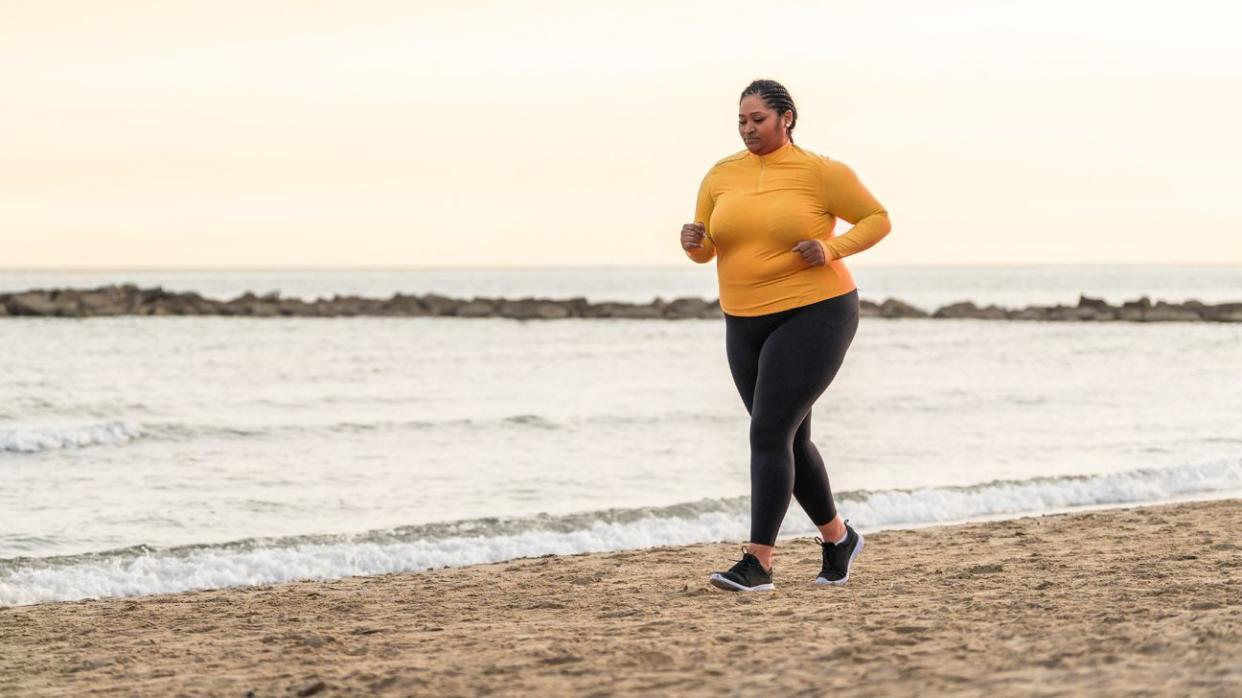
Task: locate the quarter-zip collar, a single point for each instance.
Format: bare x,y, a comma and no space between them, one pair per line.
774,156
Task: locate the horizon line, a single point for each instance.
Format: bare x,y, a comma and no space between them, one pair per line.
588,267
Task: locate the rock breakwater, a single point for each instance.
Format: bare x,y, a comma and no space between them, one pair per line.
128,299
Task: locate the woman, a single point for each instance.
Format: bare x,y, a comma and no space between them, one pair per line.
791,309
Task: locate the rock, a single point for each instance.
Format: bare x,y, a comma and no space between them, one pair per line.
578,306
639,312
964,309
968,310
107,301
893,308
355,305
532,309
992,312
624,310
263,310
1033,312
1093,303
440,306
33,303
598,310
403,305
338,306
1166,312
479,307
246,304
1063,313
868,309
1223,312
1081,314
191,304
293,307
150,295
1107,313
1135,311
682,308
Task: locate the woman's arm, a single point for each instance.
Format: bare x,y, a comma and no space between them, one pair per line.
850,201
703,214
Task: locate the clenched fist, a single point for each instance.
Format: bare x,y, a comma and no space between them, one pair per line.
692,236
812,251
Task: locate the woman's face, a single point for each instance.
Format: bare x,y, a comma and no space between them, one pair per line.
761,129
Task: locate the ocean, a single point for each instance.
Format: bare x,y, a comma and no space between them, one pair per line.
144,455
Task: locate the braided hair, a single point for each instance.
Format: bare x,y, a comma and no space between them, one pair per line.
775,97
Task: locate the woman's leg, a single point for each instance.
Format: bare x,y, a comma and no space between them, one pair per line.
797,362
811,487
744,338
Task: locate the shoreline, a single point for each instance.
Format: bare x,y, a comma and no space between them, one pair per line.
1118,600
137,571
129,299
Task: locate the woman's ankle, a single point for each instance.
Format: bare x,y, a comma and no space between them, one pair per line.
832,531
765,553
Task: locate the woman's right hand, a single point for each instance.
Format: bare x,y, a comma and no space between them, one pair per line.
692,236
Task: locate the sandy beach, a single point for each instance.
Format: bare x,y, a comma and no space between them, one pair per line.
1140,601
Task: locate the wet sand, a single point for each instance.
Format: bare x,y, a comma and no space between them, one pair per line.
1142,601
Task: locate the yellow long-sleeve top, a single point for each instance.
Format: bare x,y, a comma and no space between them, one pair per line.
755,208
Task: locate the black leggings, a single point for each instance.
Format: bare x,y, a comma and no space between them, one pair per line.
781,363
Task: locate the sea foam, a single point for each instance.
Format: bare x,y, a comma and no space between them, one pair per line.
143,571
59,437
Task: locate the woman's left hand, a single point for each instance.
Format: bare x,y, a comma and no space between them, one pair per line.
813,252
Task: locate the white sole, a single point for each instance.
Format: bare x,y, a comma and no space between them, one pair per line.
857,549
721,582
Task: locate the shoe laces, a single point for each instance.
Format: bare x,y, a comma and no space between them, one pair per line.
745,563
742,561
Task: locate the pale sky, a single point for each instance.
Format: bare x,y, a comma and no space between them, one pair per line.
297,133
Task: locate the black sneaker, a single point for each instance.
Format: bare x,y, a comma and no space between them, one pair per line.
838,558
747,575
